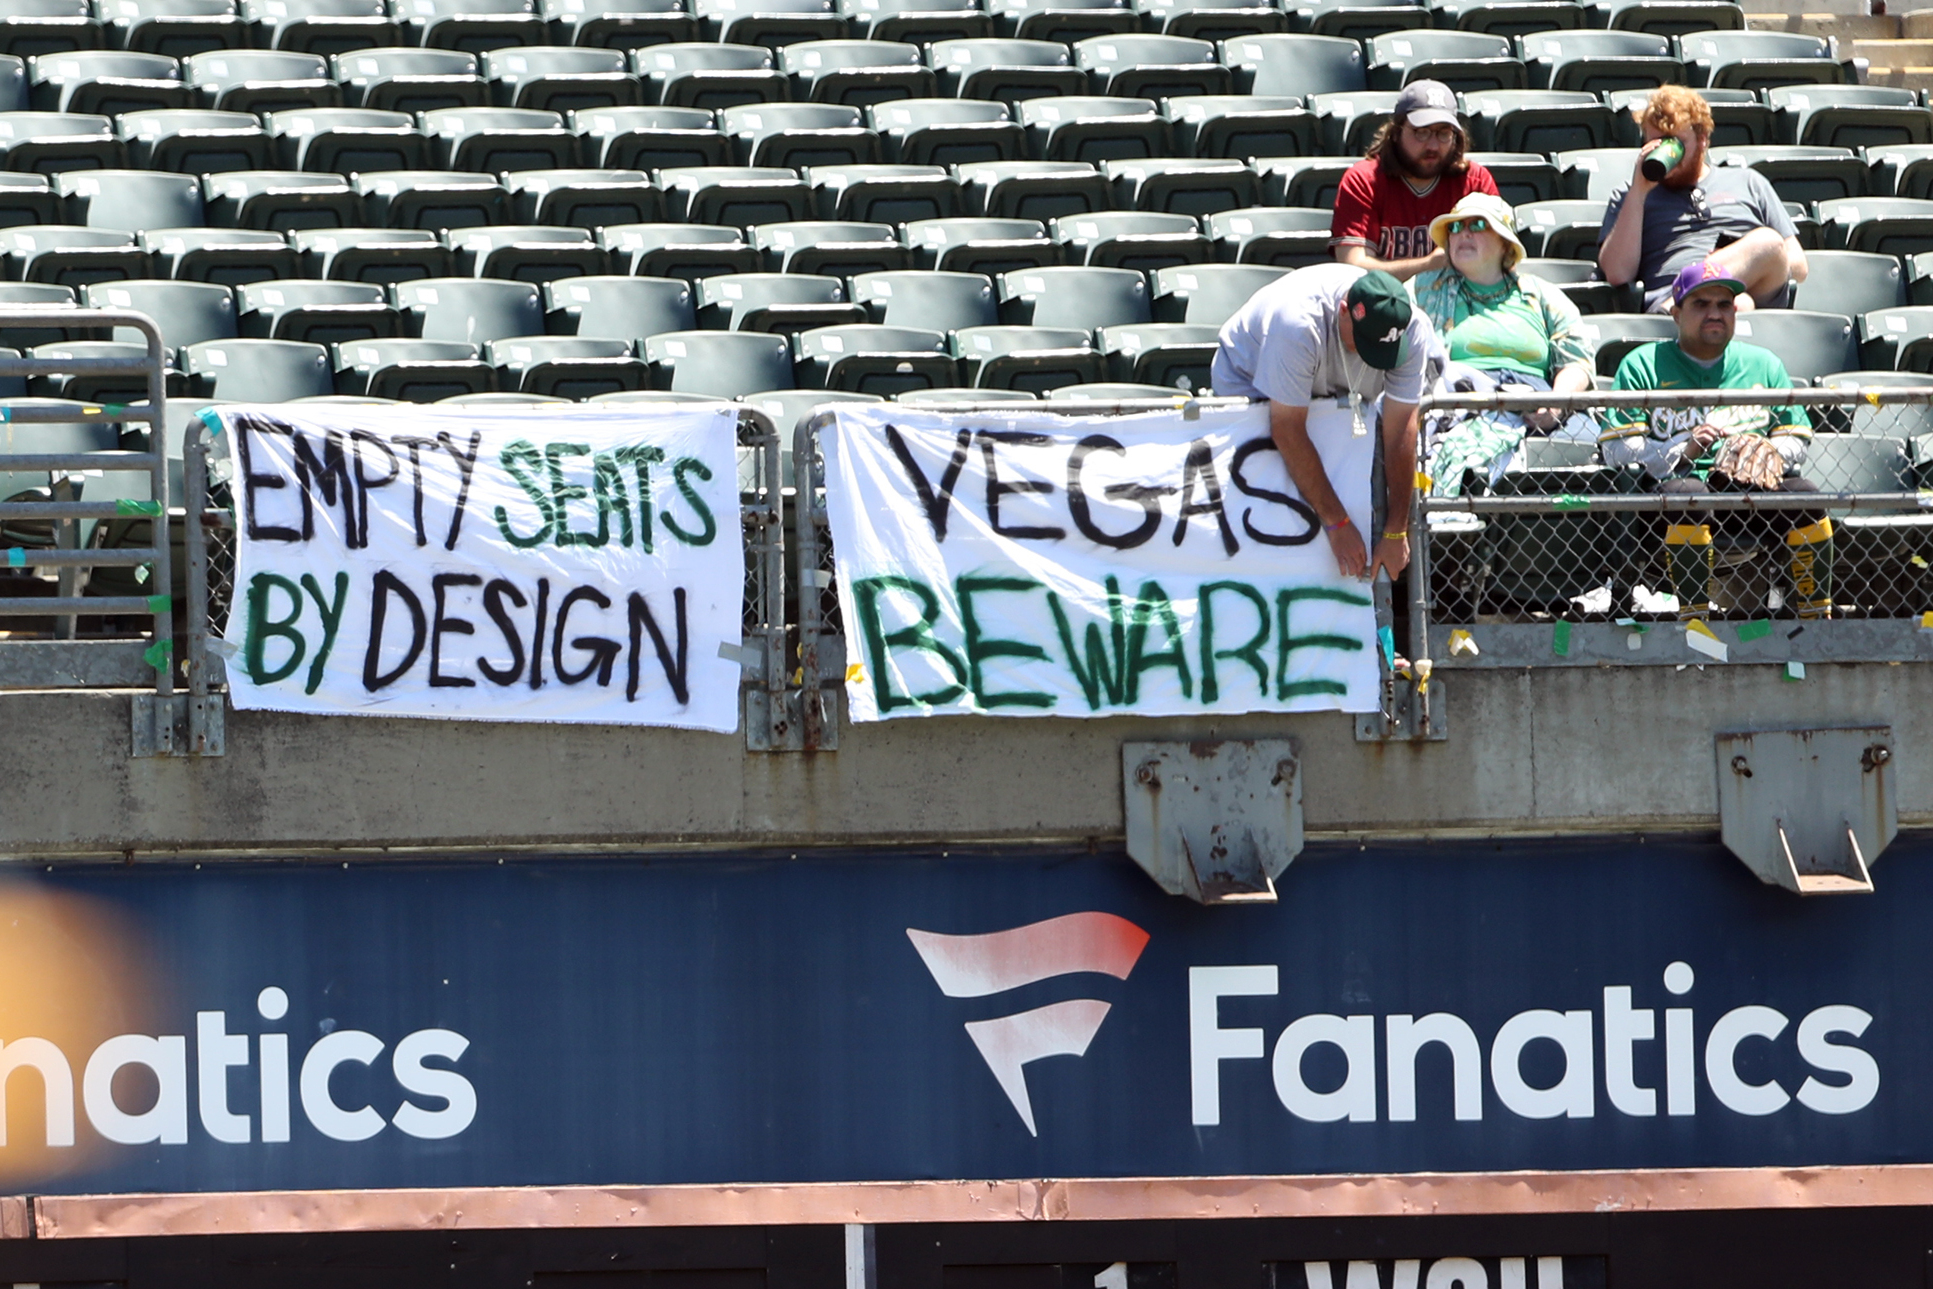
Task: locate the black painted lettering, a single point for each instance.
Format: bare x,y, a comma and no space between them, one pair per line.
603,651
414,445
328,477
937,505
672,657
382,587
357,440
1147,496
1296,506
1199,467
493,597
466,468
989,441
442,623
252,479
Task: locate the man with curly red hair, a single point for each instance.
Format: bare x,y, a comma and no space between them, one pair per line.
1729,215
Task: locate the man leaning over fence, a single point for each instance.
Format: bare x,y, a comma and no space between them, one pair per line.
1334,332
1720,448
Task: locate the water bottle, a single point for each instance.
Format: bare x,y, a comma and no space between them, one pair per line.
1661,160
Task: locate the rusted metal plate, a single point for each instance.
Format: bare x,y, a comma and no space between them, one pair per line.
1215,820
1808,809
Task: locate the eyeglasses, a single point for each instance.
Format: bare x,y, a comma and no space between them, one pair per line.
1476,225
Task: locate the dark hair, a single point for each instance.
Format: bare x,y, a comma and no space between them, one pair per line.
1383,149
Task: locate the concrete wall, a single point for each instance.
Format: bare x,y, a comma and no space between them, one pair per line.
1529,750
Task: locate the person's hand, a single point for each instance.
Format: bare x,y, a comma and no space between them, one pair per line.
1705,435
1639,183
1346,544
1438,259
1542,419
1392,553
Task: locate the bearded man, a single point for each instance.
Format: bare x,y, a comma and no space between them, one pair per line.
1728,215
1414,172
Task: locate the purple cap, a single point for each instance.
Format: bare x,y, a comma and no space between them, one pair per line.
1703,273
1424,103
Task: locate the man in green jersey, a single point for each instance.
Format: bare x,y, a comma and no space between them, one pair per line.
1720,449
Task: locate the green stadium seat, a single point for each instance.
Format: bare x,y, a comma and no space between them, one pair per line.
724,363
1617,334
561,78
1004,70
1241,126
1301,181
257,371
619,308
326,27
619,24
988,247
1066,21
1755,60
1208,294
1176,355
856,73
1667,17
1149,66
1522,177
938,131
50,142
1561,230
1033,359
535,253
1801,174
1466,61
1138,240
740,196
379,255
1194,186
473,26
1275,236
1347,122
1809,344
1537,121
259,80
1597,62
1739,117
409,80
1882,225
933,301
1212,20
1080,297
871,359
280,200
712,76
768,23
345,140
1593,174
319,313
1032,189
781,303
1853,282
412,371
431,199
1295,65
1850,116
454,308
683,251
492,140
223,256
650,138
840,248
1092,129
587,199
568,367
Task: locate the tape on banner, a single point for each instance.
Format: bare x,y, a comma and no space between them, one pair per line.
1701,640
1753,630
16,557
128,508
1794,671
1560,638
1462,643
855,673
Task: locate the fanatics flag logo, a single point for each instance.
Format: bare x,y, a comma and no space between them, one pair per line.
976,966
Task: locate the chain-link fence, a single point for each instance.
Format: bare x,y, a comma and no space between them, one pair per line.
1618,516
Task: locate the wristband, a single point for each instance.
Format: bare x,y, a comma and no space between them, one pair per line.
1340,523
1396,537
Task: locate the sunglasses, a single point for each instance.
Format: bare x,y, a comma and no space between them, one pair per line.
1477,225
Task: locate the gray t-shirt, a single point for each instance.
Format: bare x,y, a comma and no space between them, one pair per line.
1283,345
1684,226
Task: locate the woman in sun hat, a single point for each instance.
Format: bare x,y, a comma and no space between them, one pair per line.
1500,328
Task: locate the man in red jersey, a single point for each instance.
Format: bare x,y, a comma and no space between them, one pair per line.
1414,172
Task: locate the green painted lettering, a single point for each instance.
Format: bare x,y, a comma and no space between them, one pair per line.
981,647
1250,653
514,457
687,466
880,643
1151,604
261,628
1106,672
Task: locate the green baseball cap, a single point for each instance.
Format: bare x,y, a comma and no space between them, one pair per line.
1379,308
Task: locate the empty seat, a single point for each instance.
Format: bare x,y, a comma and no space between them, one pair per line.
1007,70
1066,21
465,309
619,24
1182,185
1295,64
790,409
106,82
841,248
793,135
1172,354
1801,174
1132,240
1809,344
561,78
1086,298
886,194
1091,129
1597,62
410,80
770,23
871,359
1537,121
412,371
1208,294
983,246
620,308
1211,20
1883,225
933,301
26,199
346,140
856,73
588,199
917,22
473,26
320,313
1617,334
177,28
1850,116
1110,392
130,199
1242,126
257,371
381,255
224,256
570,367
1464,60
260,80
1851,282
651,138
1302,181
684,251
1887,335
193,141
526,252
1032,189
1034,359
1144,65
186,312
49,142
1521,177
734,195
325,27
709,76
1593,174
729,364
947,131
1348,122
1755,60
1902,171
495,139
1355,19
431,199
1667,17
960,397
1279,237
96,387
1561,229
41,295
34,27
280,200
774,302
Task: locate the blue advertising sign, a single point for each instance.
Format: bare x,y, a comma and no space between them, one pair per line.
841,1017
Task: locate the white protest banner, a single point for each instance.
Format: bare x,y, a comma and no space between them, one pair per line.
479,563
1028,564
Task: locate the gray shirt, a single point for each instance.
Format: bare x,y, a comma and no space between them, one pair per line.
1684,226
1283,345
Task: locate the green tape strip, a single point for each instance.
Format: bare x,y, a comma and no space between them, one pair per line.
161,604
156,655
1570,501
114,407
1754,630
128,507
16,557
1560,639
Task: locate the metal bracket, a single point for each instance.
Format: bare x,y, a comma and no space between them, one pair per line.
1215,821
178,725
1412,713
1809,810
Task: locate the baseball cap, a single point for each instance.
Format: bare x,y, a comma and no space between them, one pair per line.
1379,310
1427,103
1704,273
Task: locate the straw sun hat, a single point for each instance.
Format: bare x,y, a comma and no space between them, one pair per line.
1503,222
